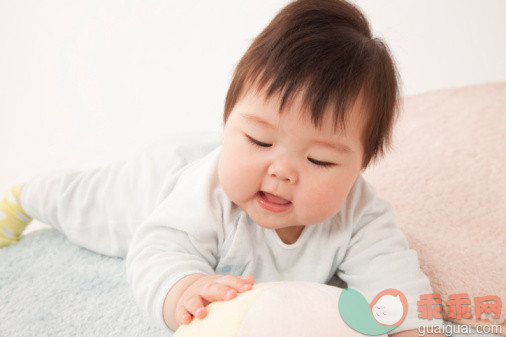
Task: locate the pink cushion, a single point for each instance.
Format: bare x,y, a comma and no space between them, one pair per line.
446,177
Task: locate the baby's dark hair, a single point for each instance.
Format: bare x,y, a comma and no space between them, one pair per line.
325,50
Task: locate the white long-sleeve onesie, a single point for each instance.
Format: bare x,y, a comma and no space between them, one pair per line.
167,213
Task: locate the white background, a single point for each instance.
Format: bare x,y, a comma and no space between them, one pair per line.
83,83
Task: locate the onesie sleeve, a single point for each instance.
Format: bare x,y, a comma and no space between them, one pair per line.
181,237
378,257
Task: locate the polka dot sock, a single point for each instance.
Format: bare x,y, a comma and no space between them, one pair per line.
12,218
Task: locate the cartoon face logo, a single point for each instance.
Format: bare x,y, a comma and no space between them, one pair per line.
389,307
385,312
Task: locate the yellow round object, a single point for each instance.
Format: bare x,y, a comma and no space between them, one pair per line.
295,309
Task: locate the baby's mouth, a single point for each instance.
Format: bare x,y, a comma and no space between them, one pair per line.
272,202
273,198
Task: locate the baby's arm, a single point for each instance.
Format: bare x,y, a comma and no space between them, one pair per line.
189,296
181,238
170,266
378,256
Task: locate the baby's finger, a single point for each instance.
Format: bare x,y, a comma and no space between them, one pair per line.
217,291
195,306
241,283
183,316
248,279
182,313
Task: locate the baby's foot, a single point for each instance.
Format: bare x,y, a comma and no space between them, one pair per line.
12,217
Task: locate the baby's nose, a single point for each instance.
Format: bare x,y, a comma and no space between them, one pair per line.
284,172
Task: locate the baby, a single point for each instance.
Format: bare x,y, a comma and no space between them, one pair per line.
311,104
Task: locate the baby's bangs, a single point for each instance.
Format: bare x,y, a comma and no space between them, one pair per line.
334,83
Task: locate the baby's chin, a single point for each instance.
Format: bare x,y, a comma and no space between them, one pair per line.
272,223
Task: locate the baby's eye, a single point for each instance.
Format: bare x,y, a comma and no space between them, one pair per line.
257,142
321,163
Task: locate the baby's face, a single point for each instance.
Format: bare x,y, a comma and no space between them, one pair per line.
281,170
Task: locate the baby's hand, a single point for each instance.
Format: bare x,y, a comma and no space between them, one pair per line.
206,290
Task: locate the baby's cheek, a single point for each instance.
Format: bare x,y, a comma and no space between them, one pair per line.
322,203
236,177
